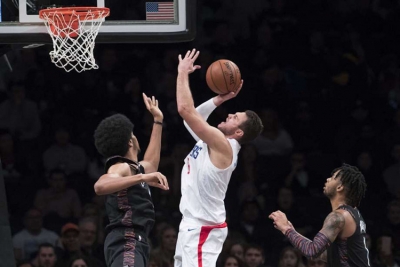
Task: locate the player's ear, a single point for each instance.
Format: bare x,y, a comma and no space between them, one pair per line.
340,188
239,132
130,143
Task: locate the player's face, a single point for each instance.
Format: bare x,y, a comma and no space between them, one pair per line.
71,240
33,220
231,262
394,214
58,182
237,250
87,234
331,185
232,123
47,257
169,239
316,263
253,257
79,263
289,259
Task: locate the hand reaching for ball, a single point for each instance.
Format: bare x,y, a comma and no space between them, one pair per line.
186,63
221,98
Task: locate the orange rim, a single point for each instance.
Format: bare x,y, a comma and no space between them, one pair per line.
101,12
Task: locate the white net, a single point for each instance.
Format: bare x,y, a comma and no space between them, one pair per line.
73,36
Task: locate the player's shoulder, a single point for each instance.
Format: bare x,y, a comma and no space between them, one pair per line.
336,218
346,211
341,217
121,168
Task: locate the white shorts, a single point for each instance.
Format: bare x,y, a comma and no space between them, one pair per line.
199,246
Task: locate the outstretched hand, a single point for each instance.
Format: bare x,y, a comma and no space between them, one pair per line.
186,63
156,179
219,99
280,221
152,106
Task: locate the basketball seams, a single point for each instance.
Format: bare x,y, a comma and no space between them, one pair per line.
223,75
212,79
219,72
234,74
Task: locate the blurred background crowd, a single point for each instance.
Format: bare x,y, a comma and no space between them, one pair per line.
324,76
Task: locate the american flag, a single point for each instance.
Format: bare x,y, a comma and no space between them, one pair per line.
160,11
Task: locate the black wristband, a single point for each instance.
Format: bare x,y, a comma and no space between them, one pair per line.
158,122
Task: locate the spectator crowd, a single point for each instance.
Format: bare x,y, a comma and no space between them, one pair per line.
324,76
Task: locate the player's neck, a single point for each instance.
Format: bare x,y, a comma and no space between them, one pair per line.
132,155
337,202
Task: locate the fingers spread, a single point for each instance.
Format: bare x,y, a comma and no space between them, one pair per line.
195,56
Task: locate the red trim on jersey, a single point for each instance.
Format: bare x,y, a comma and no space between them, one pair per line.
204,232
188,166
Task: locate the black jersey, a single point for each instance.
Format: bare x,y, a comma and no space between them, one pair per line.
131,207
352,251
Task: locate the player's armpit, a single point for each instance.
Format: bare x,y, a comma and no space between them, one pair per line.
333,225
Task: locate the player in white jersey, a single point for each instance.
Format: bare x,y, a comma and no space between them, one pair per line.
207,170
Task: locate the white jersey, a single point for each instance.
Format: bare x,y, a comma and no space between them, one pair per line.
204,186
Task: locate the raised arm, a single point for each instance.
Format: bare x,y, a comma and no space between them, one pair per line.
207,107
333,225
119,177
151,157
214,138
204,110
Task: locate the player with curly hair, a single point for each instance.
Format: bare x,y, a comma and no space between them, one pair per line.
126,185
341,241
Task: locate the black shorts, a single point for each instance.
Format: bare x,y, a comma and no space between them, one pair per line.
125,247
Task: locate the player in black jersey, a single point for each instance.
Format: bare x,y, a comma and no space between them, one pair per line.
341,241
126,185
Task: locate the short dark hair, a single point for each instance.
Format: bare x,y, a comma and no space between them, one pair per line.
256,247
251,128
112,135
354,183
47,245
32,209
79,257
238,260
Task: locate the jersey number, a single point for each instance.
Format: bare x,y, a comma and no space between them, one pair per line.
195,152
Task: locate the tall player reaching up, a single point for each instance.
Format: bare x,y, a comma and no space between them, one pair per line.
341,241
126,184
207,170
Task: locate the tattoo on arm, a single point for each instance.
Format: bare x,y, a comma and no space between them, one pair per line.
333,225
310,249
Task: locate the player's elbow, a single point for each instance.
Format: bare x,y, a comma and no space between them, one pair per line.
99,189
312,255
183,110
186,108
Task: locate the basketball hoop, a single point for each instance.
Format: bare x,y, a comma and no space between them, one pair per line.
73,31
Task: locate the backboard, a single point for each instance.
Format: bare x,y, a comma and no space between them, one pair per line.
139,21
